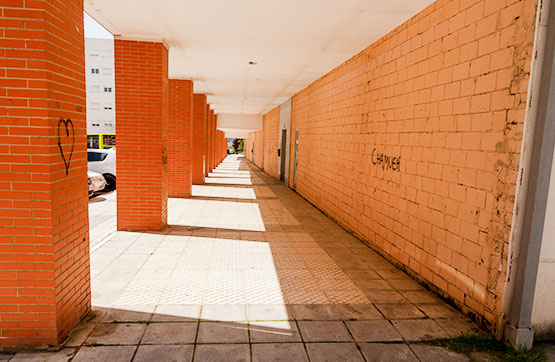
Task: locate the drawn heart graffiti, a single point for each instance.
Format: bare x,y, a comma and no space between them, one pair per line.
67,158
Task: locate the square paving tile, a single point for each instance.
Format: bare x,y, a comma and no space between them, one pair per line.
79,334
423,296
281,352
419,329
437,354
403,284
116,333
176,313
400,311
128,314
170,333
324,331
440,310
356,311
455,328
373,331
63,355
384,296
214,332
333,352
105,353
387,352
222,353
276,331
270,312
225,313
151,353
317,312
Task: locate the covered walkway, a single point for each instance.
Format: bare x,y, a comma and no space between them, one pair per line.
248,270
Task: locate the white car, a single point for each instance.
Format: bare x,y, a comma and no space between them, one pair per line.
96,182
104,162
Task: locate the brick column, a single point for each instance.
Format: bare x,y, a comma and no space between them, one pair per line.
180,138
141,126
215,147
209,140
44,276
206,127
199,129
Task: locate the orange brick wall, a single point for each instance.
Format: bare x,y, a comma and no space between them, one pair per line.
180,138
445,92
141,79
44,242
258,140
199,128
271,142
248,146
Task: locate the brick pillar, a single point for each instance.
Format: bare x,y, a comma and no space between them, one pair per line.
44,237
215,147
199,129
220,141
209,140
206,126
223,146
180,138
141,126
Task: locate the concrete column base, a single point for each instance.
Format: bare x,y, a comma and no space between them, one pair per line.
519,337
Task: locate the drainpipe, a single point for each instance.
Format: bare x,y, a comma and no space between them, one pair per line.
533,182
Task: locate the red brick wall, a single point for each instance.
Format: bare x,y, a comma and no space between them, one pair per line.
271,142
259,149
141,78
445,92
180,138
44,242
199,126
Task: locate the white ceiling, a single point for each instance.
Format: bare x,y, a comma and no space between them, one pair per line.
293,42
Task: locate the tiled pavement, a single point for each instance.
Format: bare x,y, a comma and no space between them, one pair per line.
249,271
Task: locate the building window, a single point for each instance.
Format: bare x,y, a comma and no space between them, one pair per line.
96,124
94,53
108,106
107,71
106,53
95,88
95,70
107,89
108,124
95,105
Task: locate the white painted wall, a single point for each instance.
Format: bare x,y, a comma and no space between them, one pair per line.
285,123
543,312
101,105
240,122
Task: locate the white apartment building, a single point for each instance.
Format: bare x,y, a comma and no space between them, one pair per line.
101,102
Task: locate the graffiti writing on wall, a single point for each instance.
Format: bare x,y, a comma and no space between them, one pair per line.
66,141
386,162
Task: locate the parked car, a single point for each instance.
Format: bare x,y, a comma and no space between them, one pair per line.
97,182
104,162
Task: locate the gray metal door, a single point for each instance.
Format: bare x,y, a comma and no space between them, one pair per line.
295,163
282,154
